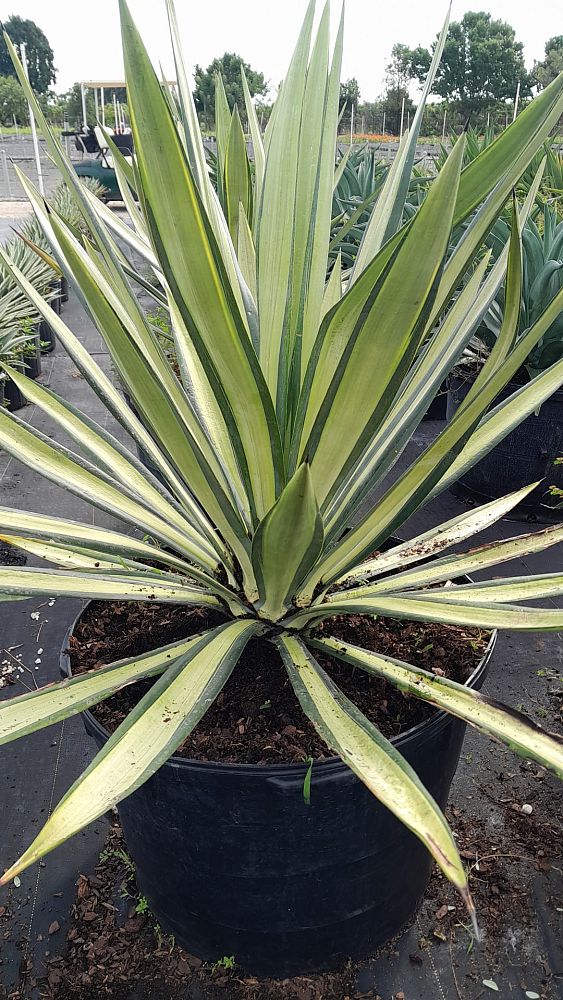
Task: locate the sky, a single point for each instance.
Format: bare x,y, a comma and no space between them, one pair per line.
84,34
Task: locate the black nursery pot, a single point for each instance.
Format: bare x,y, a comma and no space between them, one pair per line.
56,301
47,337
233,861
64,289
438,406
14,398
524,456
33,361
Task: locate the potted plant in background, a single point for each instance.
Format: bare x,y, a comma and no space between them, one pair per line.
31,350
528,454
19,318
294,399
34,238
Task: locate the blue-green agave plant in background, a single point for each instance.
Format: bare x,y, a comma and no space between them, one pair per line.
542,261
296,395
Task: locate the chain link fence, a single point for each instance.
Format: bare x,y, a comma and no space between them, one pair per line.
18,151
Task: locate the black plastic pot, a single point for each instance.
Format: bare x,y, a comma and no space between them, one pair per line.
33,360
64,289
14,398
234,862
47,337
438,406
56,300
525,456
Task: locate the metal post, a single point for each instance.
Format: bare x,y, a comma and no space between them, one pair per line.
516,100
402,117
83,96
33,129
103,103
114,113
444,127
16,127
352,124
383,129
6,173
96,104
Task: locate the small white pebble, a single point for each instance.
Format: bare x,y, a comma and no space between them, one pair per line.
38,659
40,650
51,602
527,809
17,881
34,615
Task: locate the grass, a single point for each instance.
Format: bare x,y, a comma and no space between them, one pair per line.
10,130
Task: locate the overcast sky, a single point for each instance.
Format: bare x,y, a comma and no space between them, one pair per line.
84,34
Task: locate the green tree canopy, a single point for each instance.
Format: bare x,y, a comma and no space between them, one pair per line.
482,62
349,94
12,102
229,66
39,54
550,67
397,76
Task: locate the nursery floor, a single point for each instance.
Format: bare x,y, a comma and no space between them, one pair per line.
515,857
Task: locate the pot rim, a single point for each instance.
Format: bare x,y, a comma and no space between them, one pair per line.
422,730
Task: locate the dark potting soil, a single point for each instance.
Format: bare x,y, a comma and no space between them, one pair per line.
10,556
257,719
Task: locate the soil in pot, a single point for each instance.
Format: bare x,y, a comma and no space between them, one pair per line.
10,556
257,718
524,456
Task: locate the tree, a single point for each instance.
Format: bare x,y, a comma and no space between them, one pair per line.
229,66
349,94
348,103
396,97
482,63
39,54
550,67
12,102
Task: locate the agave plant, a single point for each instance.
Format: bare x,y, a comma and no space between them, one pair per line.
13,334
358,182
294,400
542,280
65,205
552,180
16,311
